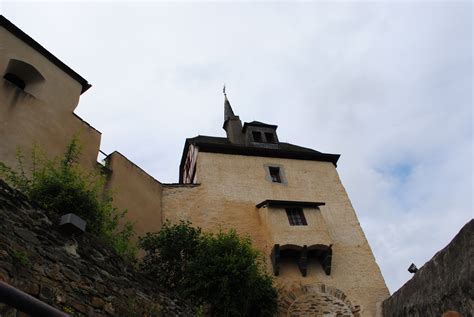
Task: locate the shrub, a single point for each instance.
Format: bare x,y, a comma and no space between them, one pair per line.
170,251
61,186
220,270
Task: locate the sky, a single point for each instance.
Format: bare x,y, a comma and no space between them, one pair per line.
388,85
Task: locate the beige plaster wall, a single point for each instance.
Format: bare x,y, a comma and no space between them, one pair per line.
60,91
43,116
275,222
135,191
231,186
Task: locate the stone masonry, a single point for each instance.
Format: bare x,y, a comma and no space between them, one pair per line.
445,283
81,276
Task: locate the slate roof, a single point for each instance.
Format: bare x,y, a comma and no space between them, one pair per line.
259,124
212,144
228,112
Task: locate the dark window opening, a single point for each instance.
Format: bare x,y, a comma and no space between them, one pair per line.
290,256
15,80
296,216
270,138
321,254
275,174
304,256
257,136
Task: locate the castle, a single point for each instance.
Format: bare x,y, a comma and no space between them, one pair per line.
288,199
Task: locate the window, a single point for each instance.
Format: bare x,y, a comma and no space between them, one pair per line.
296,216
257,136
24,76
275,174
15,80
270,138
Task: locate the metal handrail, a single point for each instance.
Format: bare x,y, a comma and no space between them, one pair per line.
27,303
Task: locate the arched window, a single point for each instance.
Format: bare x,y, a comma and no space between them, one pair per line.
23,75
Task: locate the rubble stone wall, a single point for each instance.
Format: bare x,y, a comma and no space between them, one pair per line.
445,283
81,276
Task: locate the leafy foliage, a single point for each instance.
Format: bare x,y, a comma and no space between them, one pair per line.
171,251
220,270
135,307
61,186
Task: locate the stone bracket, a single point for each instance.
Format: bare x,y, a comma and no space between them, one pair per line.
303,261
275,257
326,260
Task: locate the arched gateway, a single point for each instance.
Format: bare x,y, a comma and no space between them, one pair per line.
317,300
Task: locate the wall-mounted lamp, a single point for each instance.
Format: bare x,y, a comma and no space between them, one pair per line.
72,224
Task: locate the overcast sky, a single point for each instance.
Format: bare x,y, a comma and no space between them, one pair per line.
387,85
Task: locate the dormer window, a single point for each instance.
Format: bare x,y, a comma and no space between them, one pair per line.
257,136
269,137
260,134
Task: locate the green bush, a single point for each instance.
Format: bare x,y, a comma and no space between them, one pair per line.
171,250
222,271
61,186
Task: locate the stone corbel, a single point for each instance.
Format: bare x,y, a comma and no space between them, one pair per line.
326,260
303,260
275,257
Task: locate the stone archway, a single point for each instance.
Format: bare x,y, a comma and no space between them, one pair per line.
318,300
315,304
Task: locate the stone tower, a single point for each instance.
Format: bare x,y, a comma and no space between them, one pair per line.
291,202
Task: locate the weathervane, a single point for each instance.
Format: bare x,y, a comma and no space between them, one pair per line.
223,90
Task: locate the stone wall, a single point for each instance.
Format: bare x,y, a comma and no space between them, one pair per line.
315,300
232,185
444,283
82,276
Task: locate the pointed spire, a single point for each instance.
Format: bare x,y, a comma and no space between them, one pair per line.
232,124
228,112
